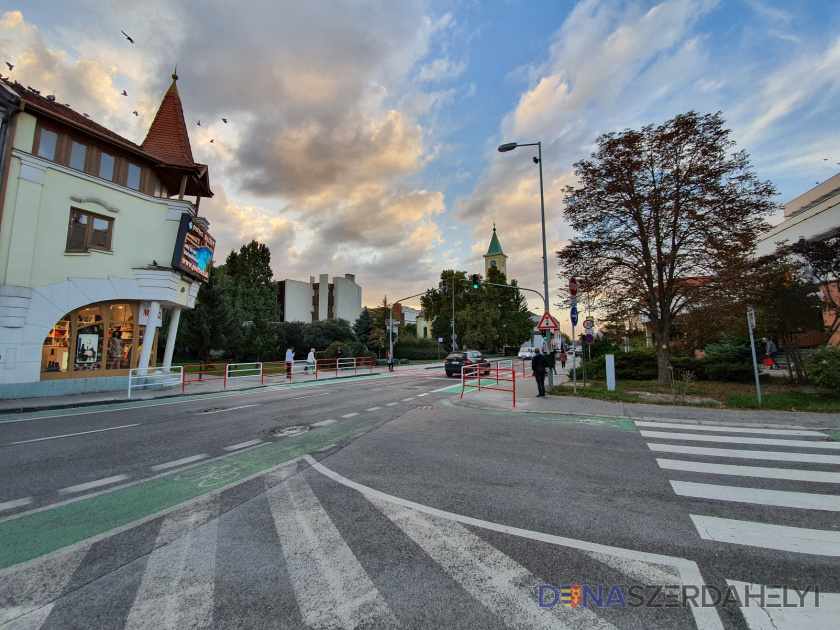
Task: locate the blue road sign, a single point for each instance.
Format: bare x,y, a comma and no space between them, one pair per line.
588,338
574,316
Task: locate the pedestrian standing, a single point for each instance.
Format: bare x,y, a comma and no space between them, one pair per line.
390,360
562,357
290,360
551,361
310,361
538,365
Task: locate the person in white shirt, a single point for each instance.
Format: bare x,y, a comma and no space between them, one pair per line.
310,361
290,359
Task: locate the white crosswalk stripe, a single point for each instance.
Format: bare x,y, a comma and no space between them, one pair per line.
809,497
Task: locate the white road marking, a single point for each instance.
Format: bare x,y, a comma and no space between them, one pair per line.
374,409
235,447
498,582
55,437
325,423
689,573
310,396
179,462
93,484
207,413
421,395
350,415
407,399
724,429
785,609
319,562
662,435
391,404
791,474
10,505
758,496
777,456
815,542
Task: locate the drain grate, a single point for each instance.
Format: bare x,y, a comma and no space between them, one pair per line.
426,407
289,431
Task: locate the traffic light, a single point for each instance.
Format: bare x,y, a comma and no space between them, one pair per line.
443,288
475,282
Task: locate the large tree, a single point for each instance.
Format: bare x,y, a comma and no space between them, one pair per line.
660,213
823,260
205,327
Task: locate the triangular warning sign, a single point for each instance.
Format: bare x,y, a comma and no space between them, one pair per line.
547,322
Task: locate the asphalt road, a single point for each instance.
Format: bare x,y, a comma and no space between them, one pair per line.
395,509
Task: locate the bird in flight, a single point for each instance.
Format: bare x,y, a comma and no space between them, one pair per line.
224,120
135,113
198,122
11,67
124,93
211,140
127,37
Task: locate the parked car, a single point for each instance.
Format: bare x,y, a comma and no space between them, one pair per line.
456,361
527,352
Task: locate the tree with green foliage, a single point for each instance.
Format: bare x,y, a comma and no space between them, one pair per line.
205,327
363,326
660,213
823,260
378,337
321,334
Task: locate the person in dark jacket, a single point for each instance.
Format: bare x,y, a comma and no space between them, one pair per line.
539,365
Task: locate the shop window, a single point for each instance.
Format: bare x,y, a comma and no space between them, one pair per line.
78,153
106,166
88,231
89,340
133,180
120,337
47,144
56,351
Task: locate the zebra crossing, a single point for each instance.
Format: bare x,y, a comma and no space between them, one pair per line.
816,474
316,550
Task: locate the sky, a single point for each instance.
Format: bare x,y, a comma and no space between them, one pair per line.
362,135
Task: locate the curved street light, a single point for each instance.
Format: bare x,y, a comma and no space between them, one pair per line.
510,146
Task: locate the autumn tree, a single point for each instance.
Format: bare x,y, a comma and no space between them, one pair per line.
823,260
660,213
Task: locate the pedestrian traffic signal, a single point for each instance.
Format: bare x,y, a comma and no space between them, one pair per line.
475,282
443,288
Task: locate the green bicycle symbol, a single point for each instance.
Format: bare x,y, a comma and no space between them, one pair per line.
211,475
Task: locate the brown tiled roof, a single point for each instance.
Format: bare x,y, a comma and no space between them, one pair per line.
167,138
62,112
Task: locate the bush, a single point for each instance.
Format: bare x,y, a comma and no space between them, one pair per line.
823,368
417,348
725,352
739,372
404,361
349,349
698,366
639,365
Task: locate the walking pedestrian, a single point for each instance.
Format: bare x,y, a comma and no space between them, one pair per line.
562,357
290,360
310,361
538,365
390,360
771,351
551,361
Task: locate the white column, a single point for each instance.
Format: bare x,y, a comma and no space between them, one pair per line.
148,338
170,337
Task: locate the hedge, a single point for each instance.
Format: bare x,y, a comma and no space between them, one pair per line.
642,365
417,348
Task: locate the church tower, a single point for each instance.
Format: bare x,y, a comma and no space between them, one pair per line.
495,257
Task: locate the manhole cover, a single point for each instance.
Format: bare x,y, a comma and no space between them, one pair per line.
289,431
212,410
426,407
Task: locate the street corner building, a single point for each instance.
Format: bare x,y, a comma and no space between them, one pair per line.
98,236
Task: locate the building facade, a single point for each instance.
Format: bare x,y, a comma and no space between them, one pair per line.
495,257
315,301
96,238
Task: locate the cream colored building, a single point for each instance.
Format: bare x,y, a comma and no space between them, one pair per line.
315,301
92,243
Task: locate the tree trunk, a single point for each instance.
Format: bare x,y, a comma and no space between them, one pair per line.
663,354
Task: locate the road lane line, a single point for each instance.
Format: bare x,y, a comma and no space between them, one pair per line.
816,542
55,437
391,404
421,395
758,496
207,413
723,429
662,435
350,415
777,456
310,396
93,484
325,423
179,462
374,409
407,399
235,447
791,474
11,505
319,561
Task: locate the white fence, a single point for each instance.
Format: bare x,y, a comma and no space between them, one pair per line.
155,377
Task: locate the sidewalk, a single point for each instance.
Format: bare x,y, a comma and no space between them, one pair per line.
527,402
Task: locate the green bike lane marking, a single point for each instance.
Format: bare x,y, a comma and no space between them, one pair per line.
45,531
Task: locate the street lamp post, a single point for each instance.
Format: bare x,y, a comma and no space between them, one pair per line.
510,146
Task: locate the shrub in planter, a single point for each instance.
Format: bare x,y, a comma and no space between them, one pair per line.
823,368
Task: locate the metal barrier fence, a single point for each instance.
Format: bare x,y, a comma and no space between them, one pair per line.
155,377
212,370
500,375
243,370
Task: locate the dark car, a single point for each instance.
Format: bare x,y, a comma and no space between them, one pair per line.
456,361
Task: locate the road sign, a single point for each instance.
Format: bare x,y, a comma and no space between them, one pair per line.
547,322
588,338
574,315
588,324
572,287
573,301
454,337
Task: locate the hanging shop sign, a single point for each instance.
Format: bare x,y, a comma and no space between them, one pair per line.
193,249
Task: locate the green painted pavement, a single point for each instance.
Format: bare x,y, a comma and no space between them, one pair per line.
42,532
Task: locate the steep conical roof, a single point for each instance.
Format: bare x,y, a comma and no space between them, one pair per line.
495,247
167,139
